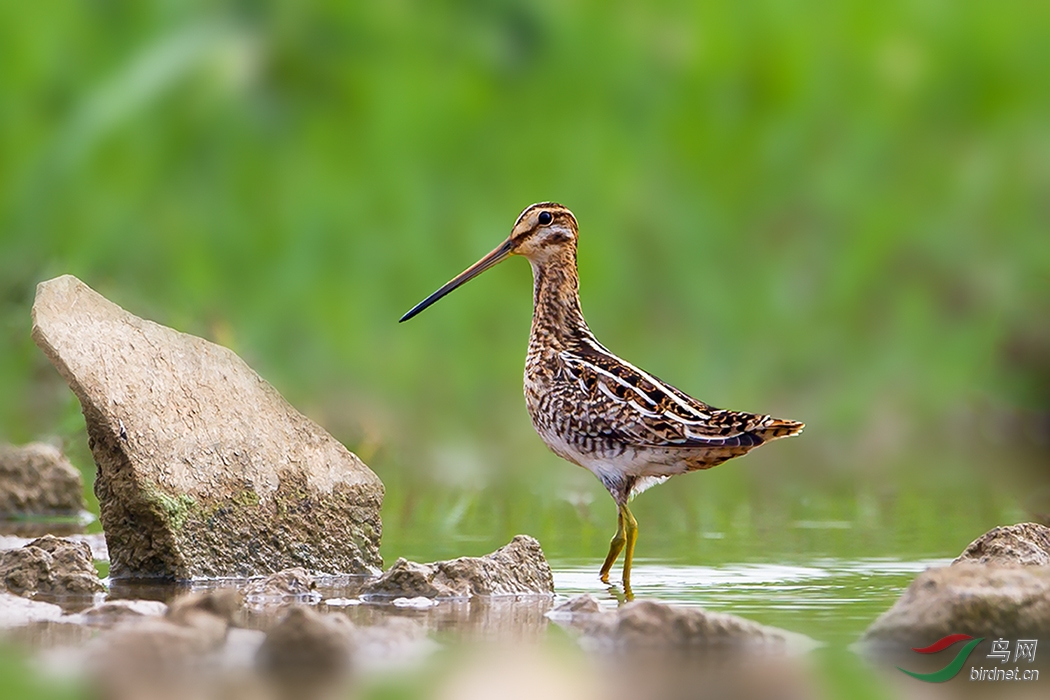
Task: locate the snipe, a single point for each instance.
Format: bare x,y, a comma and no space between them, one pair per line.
627,427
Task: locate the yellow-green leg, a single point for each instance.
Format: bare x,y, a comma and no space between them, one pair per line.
615,547
631,534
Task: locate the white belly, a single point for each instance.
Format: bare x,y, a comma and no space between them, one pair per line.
642,463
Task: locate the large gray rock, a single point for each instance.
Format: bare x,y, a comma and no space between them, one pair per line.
1000,585
1024,544
204,470
37,479
516,568
651,625
981,601
50,566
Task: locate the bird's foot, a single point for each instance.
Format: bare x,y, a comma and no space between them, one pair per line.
622,595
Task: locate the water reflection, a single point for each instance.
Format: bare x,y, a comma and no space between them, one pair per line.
508,619
831,600
827,599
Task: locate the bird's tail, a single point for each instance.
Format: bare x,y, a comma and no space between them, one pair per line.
773,428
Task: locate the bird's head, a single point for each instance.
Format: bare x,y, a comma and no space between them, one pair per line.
541,232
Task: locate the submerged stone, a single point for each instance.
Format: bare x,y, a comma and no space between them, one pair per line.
517,568
37,479
651,625
584,604
204,470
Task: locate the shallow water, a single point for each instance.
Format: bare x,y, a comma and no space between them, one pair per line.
830,600
819,557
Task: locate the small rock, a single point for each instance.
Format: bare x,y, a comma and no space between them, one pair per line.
194,624
51,566
307,643
1024,544
113,612
210,611
204,470
514,569
174,656
965,598
652,625
96,541
37,479
16,611
290,583
584,604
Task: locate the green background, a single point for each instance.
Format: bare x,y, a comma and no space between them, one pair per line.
830,211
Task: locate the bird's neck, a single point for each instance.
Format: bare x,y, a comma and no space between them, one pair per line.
557,321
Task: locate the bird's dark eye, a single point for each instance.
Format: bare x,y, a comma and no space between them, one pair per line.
545,218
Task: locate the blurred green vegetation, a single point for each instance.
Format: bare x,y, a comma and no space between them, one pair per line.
835,212
17,680
831,210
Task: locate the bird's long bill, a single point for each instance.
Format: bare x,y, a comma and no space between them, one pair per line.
494,258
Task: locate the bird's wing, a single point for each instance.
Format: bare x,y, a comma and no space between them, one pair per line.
650,412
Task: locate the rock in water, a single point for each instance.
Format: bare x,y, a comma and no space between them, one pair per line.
584,604
966,598
651,625
37,479
52,566
1024,544
204,470
1000,585
516,568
